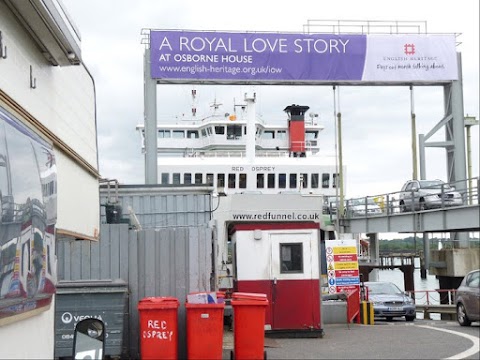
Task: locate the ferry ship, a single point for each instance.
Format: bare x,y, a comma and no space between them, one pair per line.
238,152
271,182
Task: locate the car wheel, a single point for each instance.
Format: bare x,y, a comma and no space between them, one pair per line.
410,318
462,317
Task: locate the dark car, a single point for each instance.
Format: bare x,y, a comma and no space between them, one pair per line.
389,301
467,299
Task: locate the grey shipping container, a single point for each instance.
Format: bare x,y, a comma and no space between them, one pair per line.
106,300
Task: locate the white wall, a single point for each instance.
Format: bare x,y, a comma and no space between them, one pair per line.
31,338
64,103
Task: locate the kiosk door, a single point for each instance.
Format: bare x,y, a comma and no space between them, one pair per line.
295,281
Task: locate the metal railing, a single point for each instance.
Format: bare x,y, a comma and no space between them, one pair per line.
440,301
393,203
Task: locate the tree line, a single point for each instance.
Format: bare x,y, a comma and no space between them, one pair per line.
412,244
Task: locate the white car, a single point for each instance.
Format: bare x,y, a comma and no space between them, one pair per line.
428,194
362,207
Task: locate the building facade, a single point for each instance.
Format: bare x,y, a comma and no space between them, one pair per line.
48,166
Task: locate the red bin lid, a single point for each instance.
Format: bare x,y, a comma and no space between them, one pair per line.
158,302
249,296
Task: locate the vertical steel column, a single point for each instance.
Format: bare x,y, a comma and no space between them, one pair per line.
454,132
150,121
414,137
421,155
340,166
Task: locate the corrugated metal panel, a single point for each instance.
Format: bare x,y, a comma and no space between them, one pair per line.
159,207
164,262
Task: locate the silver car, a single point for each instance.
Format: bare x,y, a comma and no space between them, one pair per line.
467,299
428,194
389,301
362,207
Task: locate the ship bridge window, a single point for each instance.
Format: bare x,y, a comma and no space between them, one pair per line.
209,131
325,181
268,134
231,181
187,178
282,181
293,181
271,181
242,181
304,180
204,133
164,178
198,178
234,132
335,180
176,178
210,179
310,135
314,182
220,130
192,134
221,180
164,134
291,258
281,134
260,181
178,134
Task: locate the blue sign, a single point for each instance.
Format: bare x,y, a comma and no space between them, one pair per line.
290,57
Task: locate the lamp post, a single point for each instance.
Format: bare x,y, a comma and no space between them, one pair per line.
469,122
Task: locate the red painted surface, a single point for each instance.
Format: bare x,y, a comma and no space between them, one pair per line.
274,226
293,304
297,135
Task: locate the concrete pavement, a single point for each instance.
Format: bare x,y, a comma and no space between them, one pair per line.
422,339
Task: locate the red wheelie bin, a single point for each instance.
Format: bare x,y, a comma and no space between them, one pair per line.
248,325
205,329
158,327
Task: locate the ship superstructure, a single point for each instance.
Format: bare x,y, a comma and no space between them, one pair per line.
219,150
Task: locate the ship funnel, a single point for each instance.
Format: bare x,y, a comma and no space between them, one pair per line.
296,129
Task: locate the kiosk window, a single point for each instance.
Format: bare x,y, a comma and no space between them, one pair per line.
291,258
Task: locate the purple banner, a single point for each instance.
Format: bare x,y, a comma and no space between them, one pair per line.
189,55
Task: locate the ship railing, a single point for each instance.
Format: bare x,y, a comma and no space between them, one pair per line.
236,154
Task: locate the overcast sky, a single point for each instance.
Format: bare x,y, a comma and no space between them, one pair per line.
376,120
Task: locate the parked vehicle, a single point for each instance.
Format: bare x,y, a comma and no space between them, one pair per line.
467,299
389,301
428,194
362,207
